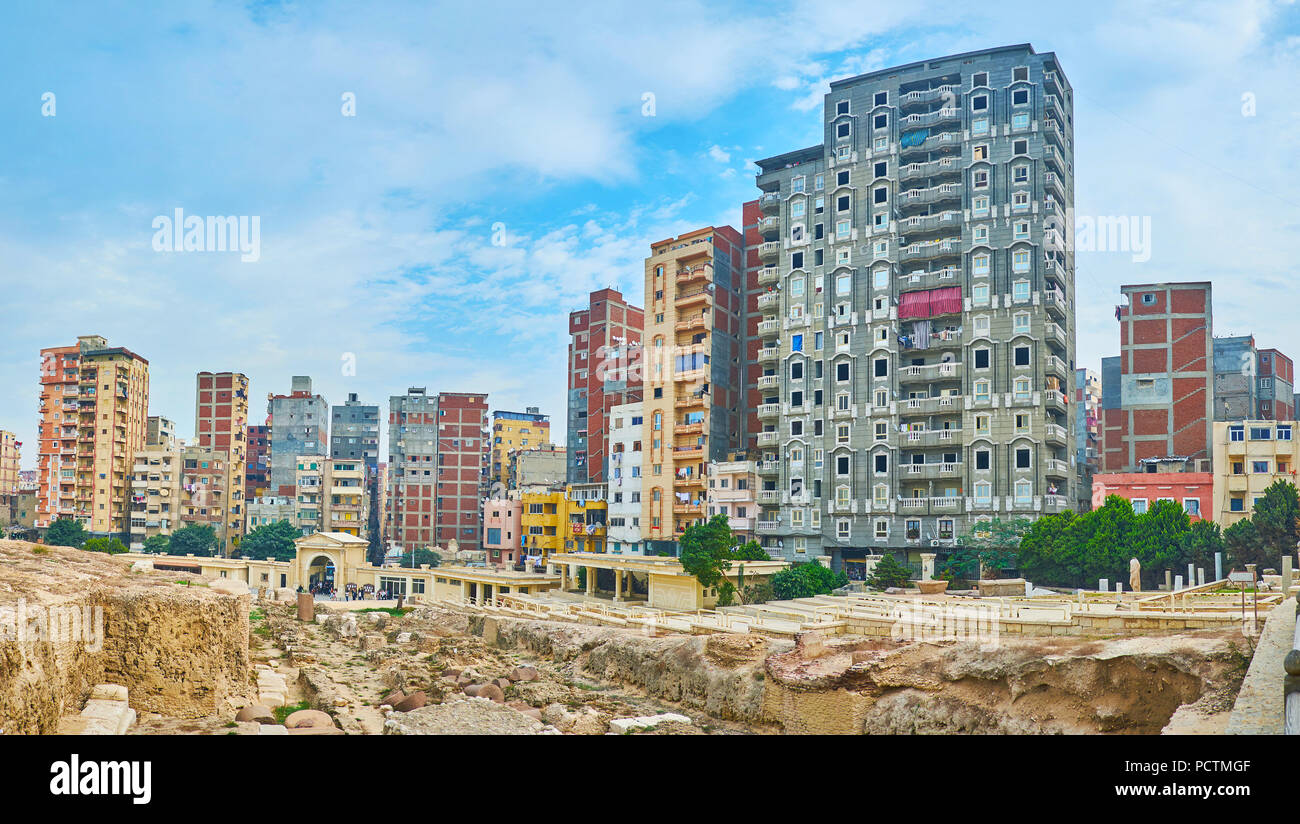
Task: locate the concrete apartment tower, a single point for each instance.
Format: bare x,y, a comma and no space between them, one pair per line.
56,468
299,426
221,425
693,380
10,461
919,318
111,420
438,448
604,349
1160,402
1276,386
354,438
1087,433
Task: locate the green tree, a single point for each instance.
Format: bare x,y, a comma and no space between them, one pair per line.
66,532
1160,540
750,552
706,550
157,544
1244,545
1277,521
112,546
988,546
195,539
888,573
271,541
422,556
1202,541
805,581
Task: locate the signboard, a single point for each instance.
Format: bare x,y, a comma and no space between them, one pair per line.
1241,577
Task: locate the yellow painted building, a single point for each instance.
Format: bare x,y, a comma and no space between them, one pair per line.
516,430
570,520
112,413
1248,457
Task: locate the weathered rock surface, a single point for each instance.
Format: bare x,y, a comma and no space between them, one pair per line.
471,716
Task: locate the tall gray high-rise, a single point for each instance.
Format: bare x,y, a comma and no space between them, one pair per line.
354,432
919,329
299,426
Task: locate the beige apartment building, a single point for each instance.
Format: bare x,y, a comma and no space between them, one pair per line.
112,407
691,373
1248,457
10,458
732,492
516,431
330,496
175,484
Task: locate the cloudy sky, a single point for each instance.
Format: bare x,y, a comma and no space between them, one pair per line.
516,120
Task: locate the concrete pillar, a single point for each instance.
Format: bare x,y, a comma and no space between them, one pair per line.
307,607
1168,579
1191,575
1286,575
927,566
464,592
1218,566
564,575
1104,585
1178,582
591,581
1200,576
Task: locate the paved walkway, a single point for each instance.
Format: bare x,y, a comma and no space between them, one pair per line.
1260,706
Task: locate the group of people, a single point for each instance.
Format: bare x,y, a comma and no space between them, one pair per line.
327,590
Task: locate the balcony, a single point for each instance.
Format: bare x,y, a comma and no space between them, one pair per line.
928,249
769,411
914,506
769,251
932,470
946,505
768,354
1055,503
688,509
696,428
767,527
948,114
950,219
769,202
944,404
1054,400
688,401
934,194
692,297
687,453
769,381
691,323
1055,433
768,300
932,437
768,226
768,496
1057,468
689,482
1053,184
1057,366
768,327
768,438
1053,332
929,372
1054,299
768,275
931,168
689,376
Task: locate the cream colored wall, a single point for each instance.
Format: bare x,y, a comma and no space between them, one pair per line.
675,592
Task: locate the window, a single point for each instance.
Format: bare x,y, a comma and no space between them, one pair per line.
1021,389
881,431
1139,505
1192,506
842,178
983,491
842,465
1020,323
881,169
979,79
841,371
980,206
1236,433
1022,356
980,294
1020,261
796,208
881,464
881,99
981,234
1024,490
796,343
882,529
981,324
982,458
843,201
1020,97
879,195
980,125
880,144
796,184
982,358
1260,433
1020,173
982,390
980,179
880,121
980,265
1021,230
1237,504
880,279
1259,467
1022,458
980,152
1020,73
819,183
981,424
1020,120
842,228
880,368
1284,433
979,103
841,107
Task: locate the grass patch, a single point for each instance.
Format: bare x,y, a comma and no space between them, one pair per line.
256,615
40,550
393,611
282,713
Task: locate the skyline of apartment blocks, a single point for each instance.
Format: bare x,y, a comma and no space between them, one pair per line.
299,425
515,430
220,425
175,484
438,451
693,381
626,430
920,333
331,495
1160,402
603,372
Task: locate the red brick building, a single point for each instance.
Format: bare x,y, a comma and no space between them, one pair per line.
1276,382
1166,378
257,479
604,371
438,453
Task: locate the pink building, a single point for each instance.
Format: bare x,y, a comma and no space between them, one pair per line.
1194,491
501,527
732,490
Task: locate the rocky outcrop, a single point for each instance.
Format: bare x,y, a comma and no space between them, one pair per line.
71,619
853,685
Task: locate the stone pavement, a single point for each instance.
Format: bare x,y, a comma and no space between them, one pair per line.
1260,706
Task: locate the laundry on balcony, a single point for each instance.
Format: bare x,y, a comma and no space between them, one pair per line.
915,138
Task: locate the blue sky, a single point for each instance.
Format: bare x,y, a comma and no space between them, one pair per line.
376,230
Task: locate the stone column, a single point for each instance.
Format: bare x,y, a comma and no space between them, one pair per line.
591,580
618,585
1218,566
927,566
1286,575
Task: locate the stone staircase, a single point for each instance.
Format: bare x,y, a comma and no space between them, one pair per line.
105,713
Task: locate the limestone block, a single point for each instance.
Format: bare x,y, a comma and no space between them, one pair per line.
622,725
256,712
271,729
108,692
